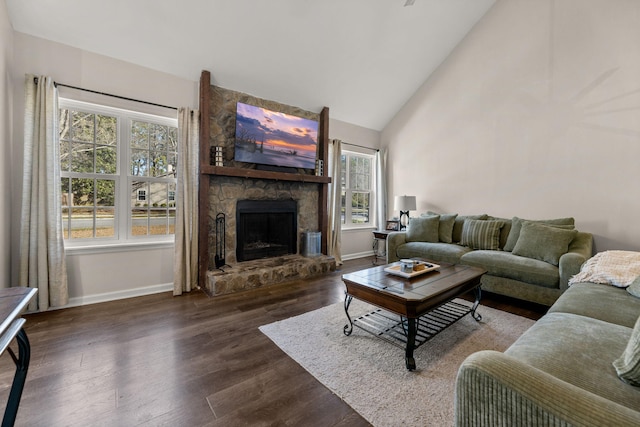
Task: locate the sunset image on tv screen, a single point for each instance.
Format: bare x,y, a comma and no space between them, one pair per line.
268,137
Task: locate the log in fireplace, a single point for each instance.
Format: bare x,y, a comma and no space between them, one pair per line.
266,228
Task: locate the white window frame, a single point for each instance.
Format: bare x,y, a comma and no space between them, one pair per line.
348,193
123,177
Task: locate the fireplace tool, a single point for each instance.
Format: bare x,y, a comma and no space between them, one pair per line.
220,241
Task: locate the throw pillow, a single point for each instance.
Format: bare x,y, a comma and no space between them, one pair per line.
481,234
516,225
504,231
634,287
628,365
445,230
456,236
543,242
423,229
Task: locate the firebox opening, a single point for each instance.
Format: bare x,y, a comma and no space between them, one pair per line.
266,228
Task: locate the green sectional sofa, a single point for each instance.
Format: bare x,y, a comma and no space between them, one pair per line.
525,259
561,371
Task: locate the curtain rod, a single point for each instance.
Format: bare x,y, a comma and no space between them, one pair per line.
35,80
361,146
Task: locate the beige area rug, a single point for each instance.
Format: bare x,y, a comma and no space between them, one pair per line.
369,374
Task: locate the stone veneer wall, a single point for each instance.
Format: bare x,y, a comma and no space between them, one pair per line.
268,271
223,121
224,192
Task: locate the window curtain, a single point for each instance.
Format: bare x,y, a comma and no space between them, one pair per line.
42,259
186,233
381,188
335,191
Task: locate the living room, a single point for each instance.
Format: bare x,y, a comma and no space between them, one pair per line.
559,178
533,113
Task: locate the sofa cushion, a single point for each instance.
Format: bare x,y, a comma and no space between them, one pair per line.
588,299
543,242
445,252
445,229
516,225
628,365
510,266
459,223
634,287
580,351
481,234
423,229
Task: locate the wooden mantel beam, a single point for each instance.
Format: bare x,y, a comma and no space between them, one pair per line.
323,195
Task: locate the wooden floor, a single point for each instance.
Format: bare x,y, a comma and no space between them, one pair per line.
183,361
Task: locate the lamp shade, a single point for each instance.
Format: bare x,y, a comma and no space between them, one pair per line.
404,203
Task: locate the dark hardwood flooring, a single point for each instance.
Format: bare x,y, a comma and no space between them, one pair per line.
192,360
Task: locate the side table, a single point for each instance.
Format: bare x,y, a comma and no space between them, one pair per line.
13,301
380,236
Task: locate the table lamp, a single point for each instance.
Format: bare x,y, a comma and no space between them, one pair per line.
404,204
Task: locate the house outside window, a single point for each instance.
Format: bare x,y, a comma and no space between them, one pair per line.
357,180
118,170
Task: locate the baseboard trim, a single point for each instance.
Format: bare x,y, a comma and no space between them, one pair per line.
357,255
117,295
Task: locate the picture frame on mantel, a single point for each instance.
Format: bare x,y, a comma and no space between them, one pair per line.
393,225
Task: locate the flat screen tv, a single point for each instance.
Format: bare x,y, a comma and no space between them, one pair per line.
271,138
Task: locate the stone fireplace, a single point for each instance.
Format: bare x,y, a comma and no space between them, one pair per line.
253,255
286,201
226,194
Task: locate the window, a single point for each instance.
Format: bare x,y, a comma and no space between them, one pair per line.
118,173
357,190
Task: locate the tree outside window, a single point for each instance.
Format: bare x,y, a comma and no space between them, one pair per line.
108,156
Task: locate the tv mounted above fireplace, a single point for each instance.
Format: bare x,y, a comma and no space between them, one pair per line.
272,138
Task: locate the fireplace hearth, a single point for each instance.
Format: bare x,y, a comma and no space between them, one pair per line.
266,228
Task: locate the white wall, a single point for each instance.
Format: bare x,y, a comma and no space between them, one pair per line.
98,276
535,114
6,131
355,243
105,275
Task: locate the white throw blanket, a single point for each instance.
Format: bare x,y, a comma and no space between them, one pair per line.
617,268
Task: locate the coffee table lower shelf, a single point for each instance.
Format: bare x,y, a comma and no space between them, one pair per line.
394,329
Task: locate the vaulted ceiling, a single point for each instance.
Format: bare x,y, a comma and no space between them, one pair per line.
361,58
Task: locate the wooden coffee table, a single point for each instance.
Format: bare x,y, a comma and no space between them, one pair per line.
424,303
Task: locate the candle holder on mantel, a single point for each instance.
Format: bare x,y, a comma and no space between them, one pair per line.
217,156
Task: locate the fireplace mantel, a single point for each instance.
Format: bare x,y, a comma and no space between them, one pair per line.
260,174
